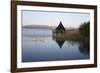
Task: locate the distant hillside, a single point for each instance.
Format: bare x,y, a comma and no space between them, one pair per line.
39,27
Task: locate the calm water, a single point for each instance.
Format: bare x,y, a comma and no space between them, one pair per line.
39,45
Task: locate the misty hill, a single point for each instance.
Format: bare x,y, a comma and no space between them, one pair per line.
39,27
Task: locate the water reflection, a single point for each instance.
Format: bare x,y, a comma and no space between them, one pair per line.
84,46
59,41
36,47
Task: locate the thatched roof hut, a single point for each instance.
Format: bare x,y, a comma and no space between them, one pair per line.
60,27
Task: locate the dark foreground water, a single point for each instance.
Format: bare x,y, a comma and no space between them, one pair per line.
39,45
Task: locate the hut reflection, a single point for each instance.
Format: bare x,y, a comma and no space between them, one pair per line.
59,41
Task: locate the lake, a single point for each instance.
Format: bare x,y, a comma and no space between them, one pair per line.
39,45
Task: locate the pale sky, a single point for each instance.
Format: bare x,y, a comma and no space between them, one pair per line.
68,19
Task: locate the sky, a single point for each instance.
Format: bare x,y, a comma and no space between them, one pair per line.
68,19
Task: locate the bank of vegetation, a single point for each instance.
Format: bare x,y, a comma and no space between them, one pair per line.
82,33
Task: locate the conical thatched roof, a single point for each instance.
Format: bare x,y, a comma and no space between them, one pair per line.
60,27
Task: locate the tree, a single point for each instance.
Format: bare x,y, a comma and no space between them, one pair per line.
84,29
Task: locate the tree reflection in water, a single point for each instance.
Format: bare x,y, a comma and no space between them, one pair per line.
84,46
